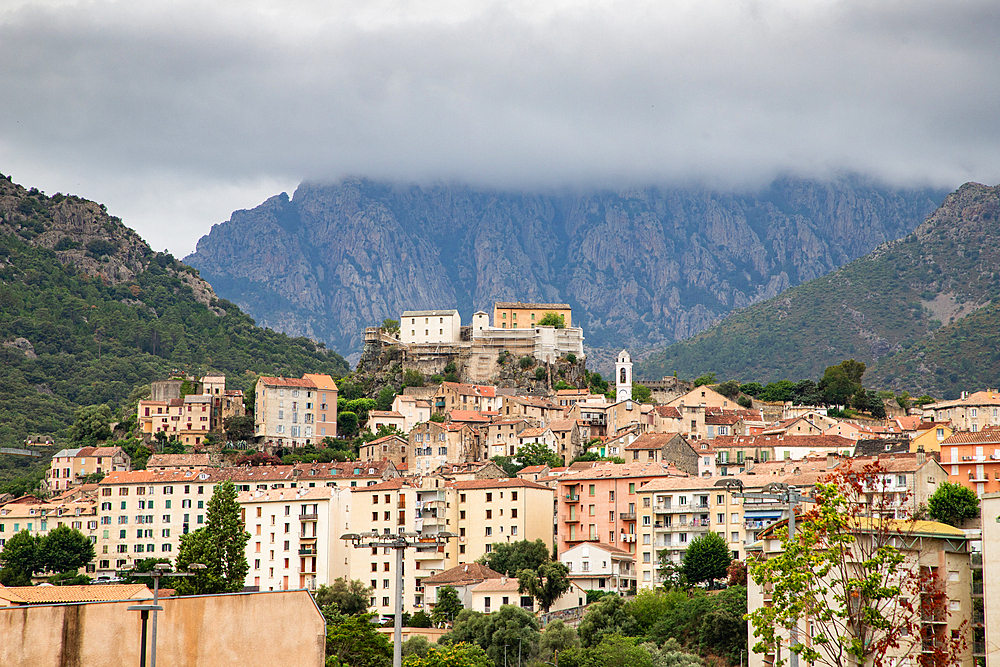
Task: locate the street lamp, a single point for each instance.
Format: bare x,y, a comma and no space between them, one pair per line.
399,542
158,570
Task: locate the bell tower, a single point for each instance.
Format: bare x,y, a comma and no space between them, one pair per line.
623,377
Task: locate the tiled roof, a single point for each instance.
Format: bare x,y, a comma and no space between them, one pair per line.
772,440
384,413
323,382
532,432
385,438
531,470
508,483
462,574
667,411
467,416
532,306
177,460
651,441
46,594
331,470
561,425
288,382
470,389
107,451
989,397
618,470
500,583
988,435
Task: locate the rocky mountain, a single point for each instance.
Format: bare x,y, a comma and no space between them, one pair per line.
89,313
921,310
639,266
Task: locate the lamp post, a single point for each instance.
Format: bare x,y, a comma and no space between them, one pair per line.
158,570
783,493
399,542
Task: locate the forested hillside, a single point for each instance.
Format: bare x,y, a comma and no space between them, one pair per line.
920,311
89,313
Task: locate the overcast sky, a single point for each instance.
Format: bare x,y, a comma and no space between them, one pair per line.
174,113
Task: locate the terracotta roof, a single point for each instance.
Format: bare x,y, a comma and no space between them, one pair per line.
510,482
716,418
531,306
177,460
532,432
772,440
667,411
107,451
46,594
467,416
618,470
288,382
323,382
651,441
470,389
530,470
988,397
462,574
500,583
562,425
331,470
990,435
384,438
384,413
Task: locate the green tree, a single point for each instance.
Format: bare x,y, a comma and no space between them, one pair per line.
19,559
64,549
511,557
537,454
354,641
952,504
707,378
146,565
448,606
390,326
551,319
545,583
844,573
619,651
607,616
641,393
347,424
706,559
841,382
413,378
350,597
453,655
729,389
92,425
508,626
239,428
557,636
220,546
386,396
416,645
421,619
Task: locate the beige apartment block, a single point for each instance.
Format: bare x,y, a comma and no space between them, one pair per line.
969,412
434,444
295,536
414,410
39,518
479,512
295,412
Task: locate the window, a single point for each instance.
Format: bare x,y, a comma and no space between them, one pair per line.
631,487
593,489
489,497
489,531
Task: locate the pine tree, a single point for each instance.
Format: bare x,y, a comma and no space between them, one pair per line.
220,546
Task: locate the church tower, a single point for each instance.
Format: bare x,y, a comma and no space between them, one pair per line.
623,377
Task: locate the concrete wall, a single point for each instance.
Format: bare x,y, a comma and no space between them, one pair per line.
280,628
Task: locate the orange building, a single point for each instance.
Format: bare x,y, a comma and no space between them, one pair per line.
973,459
518,315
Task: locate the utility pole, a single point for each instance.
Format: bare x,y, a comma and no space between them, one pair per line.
400,542
158,570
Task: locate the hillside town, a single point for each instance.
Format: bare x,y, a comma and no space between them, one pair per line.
465,467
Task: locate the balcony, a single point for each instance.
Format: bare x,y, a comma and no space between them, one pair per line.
934,617
977,588
401,505
433,520
662,508
572,497
627,516
308,568
303,536
309,517
976,560
307,551
434,554
979,648
570,519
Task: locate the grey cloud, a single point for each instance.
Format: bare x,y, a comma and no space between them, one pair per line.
232,94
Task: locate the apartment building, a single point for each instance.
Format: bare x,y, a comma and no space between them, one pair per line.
188,419
500,437
40,517
600,567
390,447
460,396
295,536
970,412
479,512
972,459
292,412
69,467
599,504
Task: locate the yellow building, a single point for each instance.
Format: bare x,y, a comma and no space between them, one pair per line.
39,518
518,315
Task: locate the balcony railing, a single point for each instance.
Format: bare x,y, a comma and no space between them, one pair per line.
309,517
977,588
307,552
303,536
627,516
572,497
978,648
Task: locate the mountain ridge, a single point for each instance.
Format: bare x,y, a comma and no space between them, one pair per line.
639,266
881,309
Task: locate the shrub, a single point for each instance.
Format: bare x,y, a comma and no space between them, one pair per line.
526,362
100,247
571,358
540,374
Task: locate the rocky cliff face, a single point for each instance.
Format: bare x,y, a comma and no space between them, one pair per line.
640,267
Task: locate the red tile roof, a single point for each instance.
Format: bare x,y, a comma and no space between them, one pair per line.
288,382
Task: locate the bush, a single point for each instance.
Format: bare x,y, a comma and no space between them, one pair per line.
745,402
526,362
540,373
571,358
413,378
100,247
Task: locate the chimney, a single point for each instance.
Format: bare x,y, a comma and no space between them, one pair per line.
831,461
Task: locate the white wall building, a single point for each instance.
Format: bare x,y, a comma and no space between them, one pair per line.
423,327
